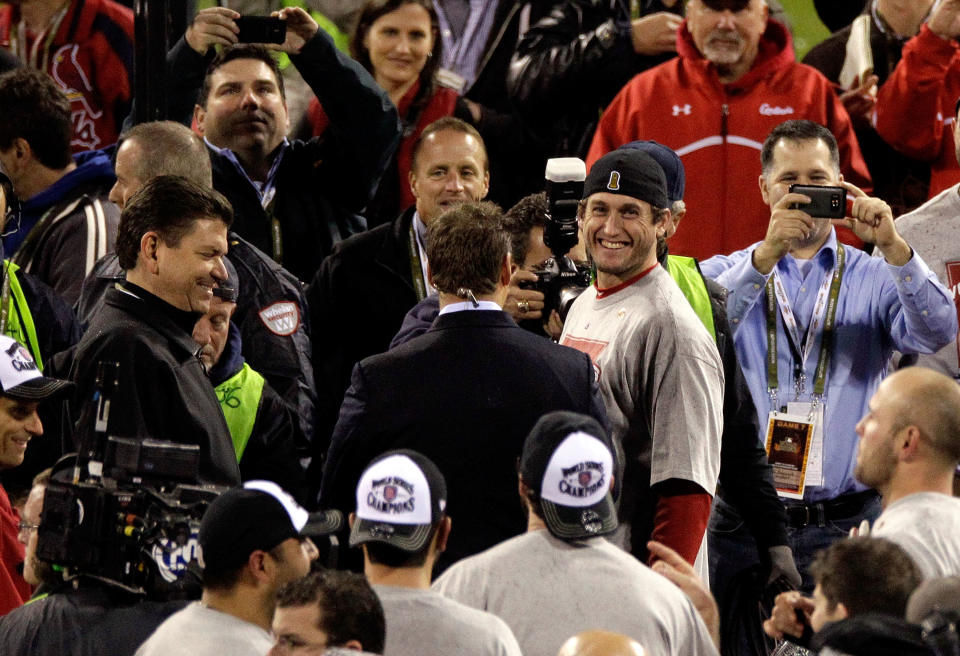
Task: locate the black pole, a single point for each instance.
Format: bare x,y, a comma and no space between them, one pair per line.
157,26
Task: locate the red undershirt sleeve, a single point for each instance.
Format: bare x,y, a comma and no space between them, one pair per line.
683,509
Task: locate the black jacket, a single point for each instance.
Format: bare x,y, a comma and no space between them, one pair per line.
581,50
275,445
163,391
746,477
517,160
322,184
465,395
272,316
357,303
90,621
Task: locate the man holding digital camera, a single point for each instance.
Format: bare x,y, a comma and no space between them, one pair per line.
832,315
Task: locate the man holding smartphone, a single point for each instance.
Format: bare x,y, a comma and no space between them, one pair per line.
830,316
292,199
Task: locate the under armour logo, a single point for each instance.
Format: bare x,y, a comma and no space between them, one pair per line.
685,109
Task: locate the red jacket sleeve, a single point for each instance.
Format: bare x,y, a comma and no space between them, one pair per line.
680,522
913,103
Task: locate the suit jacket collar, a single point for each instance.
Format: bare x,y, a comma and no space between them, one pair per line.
393,254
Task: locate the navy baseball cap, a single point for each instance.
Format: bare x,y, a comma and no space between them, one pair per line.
732,5
228,291
669,161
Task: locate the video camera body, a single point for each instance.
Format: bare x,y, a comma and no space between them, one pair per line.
560,279
126,512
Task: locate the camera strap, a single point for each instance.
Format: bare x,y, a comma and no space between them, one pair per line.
416,265
824,315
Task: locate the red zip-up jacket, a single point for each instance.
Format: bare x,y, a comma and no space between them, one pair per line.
718,130
915,106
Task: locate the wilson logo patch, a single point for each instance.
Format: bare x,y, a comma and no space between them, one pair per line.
281,318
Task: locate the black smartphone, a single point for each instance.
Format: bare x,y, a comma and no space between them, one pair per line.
825,202
261,29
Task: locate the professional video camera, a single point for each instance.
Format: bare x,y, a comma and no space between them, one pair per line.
560,279
123,511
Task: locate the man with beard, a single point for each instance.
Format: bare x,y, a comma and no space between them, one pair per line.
815,326
734,80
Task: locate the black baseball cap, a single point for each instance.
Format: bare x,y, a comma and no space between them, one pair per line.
629,172
258,516
400,497
568,459
20,377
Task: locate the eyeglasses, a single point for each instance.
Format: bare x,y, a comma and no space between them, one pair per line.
26,526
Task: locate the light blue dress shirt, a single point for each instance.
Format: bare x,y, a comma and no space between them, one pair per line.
881,307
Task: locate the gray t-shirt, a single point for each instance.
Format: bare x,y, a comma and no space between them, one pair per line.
424,622
927,526
661,379
931,230
547,590
200,631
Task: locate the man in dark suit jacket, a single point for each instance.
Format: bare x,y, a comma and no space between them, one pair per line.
364,288
466,393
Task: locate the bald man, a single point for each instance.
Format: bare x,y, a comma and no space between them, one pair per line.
601,643
909,449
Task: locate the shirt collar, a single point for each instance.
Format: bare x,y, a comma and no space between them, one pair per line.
421,229
827,255
265,189
468,305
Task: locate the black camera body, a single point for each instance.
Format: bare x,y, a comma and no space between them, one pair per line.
561,282
138,538
126,511
261,29
825,202
560,279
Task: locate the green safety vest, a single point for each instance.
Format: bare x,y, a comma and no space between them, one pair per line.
685,273
239,398
19,319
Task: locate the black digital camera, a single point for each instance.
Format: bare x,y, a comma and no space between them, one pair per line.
126,512
560,279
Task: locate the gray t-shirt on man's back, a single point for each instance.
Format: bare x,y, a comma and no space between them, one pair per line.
423,622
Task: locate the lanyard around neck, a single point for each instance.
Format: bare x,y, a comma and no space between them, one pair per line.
416,266
824,314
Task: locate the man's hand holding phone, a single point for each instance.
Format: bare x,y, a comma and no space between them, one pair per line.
871,219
